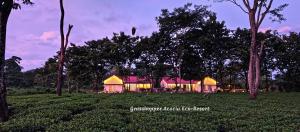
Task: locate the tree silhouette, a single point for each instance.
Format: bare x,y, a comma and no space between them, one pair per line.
13,71
63,46
6,7
257,10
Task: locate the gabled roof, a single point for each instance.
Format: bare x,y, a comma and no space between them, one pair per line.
170,80
115,80
135,79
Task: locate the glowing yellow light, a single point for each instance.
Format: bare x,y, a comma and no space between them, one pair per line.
140,85
147,86
209,81
113,80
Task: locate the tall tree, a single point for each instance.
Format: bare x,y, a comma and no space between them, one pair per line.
181,29
269,58
212,45
102,56
127,47
288,61
63,46
239,53
49,72
13,71
89,64
257,10
148,57
5,9
77,64
191,67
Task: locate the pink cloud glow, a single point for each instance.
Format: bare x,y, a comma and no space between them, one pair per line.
284,29
48,36
264,29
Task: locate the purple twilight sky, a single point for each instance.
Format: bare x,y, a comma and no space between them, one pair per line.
33,31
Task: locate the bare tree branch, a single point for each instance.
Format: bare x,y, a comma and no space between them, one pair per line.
263,15
262,46
259,11
255,4
67,37
239,5
246,3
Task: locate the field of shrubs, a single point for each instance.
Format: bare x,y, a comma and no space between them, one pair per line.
111,112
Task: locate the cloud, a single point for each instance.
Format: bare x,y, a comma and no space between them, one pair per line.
284,29
34,49
264,29
50,35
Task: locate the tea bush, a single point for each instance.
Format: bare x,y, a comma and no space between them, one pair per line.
111,112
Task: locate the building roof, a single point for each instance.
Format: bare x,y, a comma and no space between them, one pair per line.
113,80
135,79
143,80
209,81
170,80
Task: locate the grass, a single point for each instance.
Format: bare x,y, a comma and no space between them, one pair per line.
111,112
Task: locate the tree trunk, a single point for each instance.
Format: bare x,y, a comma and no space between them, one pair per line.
252,73
60,75
221,75
61,56
202,85
191,87
95,84
3,103
267,81
4,14
257,76
129,74
63,47
246,81
176,83
152,80
157,82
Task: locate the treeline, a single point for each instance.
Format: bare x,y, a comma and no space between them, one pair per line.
190,43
